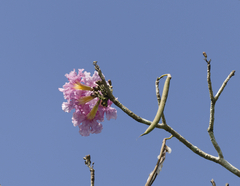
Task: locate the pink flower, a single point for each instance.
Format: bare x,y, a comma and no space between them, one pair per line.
83,94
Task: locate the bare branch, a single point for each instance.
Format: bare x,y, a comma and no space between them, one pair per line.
210,130
117,103
158,167
212,110
223,85
159,99
157,91
193,148
87,159
209,79
213,183
221,159
212,107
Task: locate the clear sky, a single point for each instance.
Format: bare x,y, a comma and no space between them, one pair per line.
134,42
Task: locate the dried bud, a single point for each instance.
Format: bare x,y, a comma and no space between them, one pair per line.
204,54
87,159
110,82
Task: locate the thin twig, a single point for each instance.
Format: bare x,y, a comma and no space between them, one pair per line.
159,164
209,80
87,159
210,130
159,99
223,85
213,182
221,161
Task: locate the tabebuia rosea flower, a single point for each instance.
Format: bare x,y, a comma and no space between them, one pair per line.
83,93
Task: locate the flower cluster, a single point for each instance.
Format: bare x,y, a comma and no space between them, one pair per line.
82,94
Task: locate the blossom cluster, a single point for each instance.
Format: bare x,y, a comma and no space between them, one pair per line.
80,93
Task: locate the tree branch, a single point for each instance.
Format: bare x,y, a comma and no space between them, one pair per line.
120,105
193,148
161,158
209,79
212,110
213,102
87,159
224,84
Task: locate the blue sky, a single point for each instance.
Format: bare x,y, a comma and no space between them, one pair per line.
134,42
